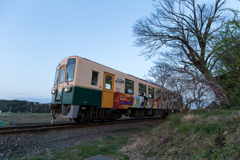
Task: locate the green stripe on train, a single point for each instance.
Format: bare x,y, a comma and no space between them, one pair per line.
79,96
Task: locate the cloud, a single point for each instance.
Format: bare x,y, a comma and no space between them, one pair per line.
21,93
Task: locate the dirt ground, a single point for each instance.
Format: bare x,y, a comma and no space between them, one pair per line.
28,118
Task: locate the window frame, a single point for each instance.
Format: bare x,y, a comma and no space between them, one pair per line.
160,96
92,78
126,81
152,92
169,97
56,75
164,96
107,83
141,88
66,78
63,75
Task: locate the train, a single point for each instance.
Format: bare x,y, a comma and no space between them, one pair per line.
85,90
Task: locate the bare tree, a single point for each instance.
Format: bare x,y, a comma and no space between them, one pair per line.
160,72
189,86
192,91
181,30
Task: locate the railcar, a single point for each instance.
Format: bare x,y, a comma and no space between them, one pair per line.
85,90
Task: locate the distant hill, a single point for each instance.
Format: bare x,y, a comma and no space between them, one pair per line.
40,100
23,106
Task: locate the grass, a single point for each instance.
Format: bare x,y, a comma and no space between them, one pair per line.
28,118
8,119
109,146
23,114
200,134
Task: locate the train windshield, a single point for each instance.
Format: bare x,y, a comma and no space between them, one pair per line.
70,70
56,75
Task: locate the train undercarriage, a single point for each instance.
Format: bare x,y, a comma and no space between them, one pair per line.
81,114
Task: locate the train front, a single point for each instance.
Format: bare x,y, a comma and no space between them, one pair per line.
62,92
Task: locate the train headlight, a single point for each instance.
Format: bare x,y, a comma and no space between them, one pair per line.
68,89
53,91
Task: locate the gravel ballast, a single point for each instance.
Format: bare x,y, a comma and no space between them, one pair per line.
28,145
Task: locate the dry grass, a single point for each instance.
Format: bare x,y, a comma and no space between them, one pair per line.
235,115
211,119
28,118
189,118
131,147
204,135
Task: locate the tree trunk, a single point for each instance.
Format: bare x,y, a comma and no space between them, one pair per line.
216,87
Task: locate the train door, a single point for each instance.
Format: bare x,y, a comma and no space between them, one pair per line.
60,84
108,90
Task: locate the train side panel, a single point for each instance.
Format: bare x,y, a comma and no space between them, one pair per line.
125,101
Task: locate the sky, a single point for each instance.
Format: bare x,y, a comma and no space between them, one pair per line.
35,35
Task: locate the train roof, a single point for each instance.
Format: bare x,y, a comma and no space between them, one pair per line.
122,72
113,69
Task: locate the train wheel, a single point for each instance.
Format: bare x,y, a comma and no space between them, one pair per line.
54,113
78,119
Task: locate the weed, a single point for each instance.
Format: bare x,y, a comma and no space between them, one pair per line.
18,151
37,158
109,145
146,130
185,127
175,119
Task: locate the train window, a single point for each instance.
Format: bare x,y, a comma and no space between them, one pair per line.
174,96
142,90
94,78
108,82
150,92
164,96
158,94
56,75
129,86
62,76
70,70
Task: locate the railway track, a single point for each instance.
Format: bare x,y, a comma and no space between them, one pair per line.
62,126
